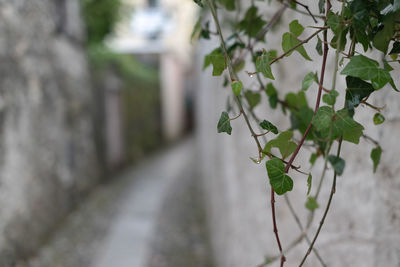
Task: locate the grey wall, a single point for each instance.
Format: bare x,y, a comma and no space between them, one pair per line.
363,226
47,159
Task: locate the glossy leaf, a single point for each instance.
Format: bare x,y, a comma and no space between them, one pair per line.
280,182
224,124
266,125
361,67
378,119
357,90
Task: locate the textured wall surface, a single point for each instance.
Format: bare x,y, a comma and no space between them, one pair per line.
363,226
48,158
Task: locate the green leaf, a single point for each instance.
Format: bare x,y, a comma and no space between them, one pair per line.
318,47
236,87
376,156
217,59
312,204
378,119
199,2
321,6
266,125
313,158
330,98
308,80
382,38
229,4
283,143
337,163
280,182
334,22
323,118
395,48
356,91
252,98
309,183
342,124
381,79
289,41
251,23
224,124
263,66
296,28
361,67
272,95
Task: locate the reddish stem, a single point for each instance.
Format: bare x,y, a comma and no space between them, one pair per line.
283,259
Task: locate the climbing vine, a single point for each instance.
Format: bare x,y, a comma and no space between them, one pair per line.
349,29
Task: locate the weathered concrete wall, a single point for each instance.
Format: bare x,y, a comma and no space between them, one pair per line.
48,158
363,227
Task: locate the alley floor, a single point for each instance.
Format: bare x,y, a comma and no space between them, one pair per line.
151,216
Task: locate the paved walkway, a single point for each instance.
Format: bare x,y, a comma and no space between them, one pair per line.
151,216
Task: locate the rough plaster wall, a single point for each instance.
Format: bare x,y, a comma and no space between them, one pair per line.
47,158
363,226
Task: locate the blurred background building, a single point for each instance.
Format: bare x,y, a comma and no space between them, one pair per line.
110,154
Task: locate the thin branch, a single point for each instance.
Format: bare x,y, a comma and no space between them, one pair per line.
333,190
299,44
306,8
234,118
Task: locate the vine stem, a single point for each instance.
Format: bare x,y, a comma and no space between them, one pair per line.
231,74
320,86
333,189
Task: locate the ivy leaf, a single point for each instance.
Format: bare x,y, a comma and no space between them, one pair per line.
296,28
342,124
395,48
229,4
309,183
199,2
308,80
289,40
312,204
323,118
318,47
263,66
266,125
337,163
378,119
251,23
382,38
313,158
224,123
252,98
283,143
333,22
330,98
381,79
376,156
236,87
272,95
217,59
280,182
321,6
357,90
361,67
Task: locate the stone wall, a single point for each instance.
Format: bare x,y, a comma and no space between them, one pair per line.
48,157
363,226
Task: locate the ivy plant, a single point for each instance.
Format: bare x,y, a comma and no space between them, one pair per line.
346,28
